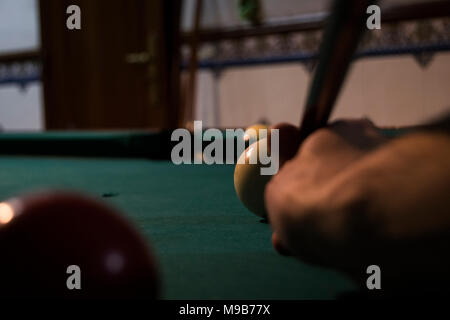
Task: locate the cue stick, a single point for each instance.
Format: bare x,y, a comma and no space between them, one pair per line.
340,40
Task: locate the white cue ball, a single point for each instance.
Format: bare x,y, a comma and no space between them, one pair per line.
248,181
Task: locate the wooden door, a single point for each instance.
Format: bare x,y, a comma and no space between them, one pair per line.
121,70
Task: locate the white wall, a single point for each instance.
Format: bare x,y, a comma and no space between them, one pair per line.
20,109
19,25
392,91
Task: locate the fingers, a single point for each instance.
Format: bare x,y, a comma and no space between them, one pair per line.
278,246
289,141
364,122
286,218
361,133
337,137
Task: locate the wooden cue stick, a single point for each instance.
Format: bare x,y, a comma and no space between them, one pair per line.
342,33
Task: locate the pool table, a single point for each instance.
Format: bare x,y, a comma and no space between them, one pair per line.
207,244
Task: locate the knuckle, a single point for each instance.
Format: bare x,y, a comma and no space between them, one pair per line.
342,126
318,139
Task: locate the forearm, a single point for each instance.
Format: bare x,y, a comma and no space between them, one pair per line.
404,179
394,208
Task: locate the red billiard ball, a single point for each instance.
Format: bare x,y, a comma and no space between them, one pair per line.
43,234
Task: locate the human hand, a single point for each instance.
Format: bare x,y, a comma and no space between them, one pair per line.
351,197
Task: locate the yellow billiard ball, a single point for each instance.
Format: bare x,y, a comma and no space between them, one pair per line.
254,134
248,181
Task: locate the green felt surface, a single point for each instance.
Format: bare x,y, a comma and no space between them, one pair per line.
207,244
